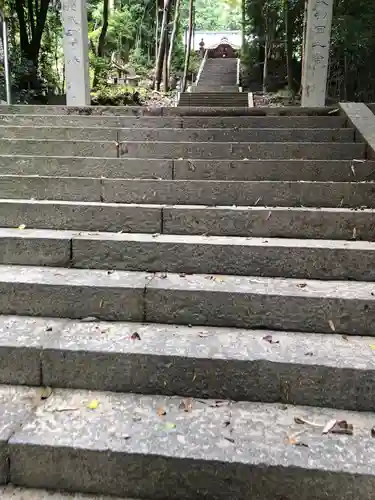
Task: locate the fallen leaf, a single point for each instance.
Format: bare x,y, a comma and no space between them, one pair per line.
300,443
49,329
161,412
203,334
101,303
332,325
135,336
126,437
359,160
372,346
163,276
302,421
170,425
257,201
186,405
93,405
309,353
333,111
269,215
182,275
194,377
111,271
354,233
155,235
352,169
45,393
22,226
342,427
329,426
373,432
89,319
269,339
344,337
302,285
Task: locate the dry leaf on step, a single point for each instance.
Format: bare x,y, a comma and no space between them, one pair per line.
161,412
186,405
22,226
332,325
269,339
93,405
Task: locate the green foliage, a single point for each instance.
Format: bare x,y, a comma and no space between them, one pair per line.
116,96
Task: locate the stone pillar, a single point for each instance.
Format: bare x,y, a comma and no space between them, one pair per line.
74,19
315,67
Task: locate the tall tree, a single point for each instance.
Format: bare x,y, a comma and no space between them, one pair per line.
162,45
188,44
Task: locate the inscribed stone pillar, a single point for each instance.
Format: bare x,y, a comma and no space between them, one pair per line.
315,67
74,19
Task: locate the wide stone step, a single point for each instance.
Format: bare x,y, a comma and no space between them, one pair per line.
249,365
334,122
289,258
178,135
144,168
312,223
171,111
67,166
13,493
240,451
197,299
190,192
217,150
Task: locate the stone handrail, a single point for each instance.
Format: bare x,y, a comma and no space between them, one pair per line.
6,57
362,119
201,67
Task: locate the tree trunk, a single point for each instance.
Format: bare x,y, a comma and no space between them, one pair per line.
156,30
30,48
188,45
161,51
101,41
166,67
174,32
289,45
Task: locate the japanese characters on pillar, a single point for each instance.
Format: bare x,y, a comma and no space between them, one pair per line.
74,19
316,53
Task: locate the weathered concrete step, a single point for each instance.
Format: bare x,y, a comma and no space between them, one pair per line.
288,258
144,168
197,299
190,192
175,122
67,166
337,224
123,445
249,365
271,170
81,216
13,493
217,150
177,134
157,111
205,86
328,223
99,149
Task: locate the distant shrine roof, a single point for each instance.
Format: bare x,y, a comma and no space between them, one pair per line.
213,39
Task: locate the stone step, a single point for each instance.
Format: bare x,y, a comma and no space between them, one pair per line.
240,451
190,192
191,150
289,258
249,365
67,166
257,122
311,223
171,111
206,86
13,493
178,135
143,168
196,299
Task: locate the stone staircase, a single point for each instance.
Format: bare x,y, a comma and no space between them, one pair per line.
217,86
187,301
